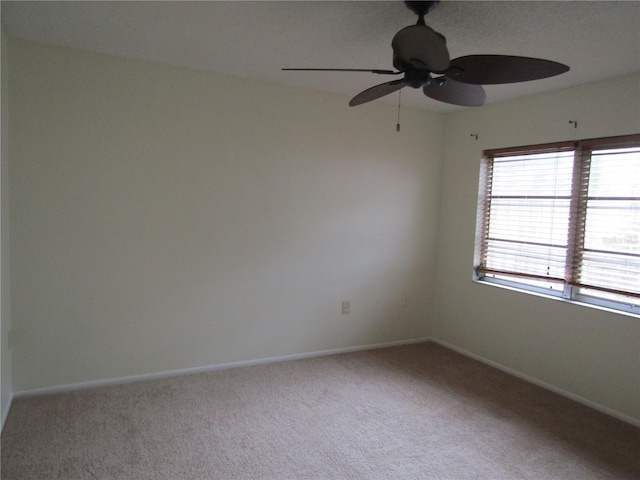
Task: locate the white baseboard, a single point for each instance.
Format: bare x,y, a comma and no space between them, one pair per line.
208,368
540,383
263,361
5,413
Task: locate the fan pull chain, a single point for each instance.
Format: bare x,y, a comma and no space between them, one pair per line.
398,122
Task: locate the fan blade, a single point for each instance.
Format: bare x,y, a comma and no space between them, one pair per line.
420,42
496,69
456,93
376,92
379,72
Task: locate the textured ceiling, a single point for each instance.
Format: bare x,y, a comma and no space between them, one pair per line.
598,40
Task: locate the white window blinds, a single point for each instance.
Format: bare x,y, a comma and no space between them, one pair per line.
607,253
565,214
525,217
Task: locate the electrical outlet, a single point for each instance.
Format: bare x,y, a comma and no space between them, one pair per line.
346,307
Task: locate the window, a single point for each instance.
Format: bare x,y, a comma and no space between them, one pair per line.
563,219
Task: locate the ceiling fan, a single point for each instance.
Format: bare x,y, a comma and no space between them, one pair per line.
419,53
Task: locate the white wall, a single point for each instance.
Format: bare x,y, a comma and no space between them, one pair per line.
6,390
164,218
586,352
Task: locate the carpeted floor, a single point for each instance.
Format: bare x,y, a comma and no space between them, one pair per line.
411,412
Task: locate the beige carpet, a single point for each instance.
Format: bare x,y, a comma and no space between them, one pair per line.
411,412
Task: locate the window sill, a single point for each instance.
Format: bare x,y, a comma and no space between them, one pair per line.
558,298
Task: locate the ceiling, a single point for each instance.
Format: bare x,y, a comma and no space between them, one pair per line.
598,40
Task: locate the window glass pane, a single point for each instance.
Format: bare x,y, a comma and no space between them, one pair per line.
532,220
529,214
545,174
612,229
613,226
612,271
615,173
526,259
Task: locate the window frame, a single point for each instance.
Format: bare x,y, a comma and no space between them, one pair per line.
569,287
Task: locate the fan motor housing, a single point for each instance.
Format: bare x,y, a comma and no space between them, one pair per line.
417,78
422,44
